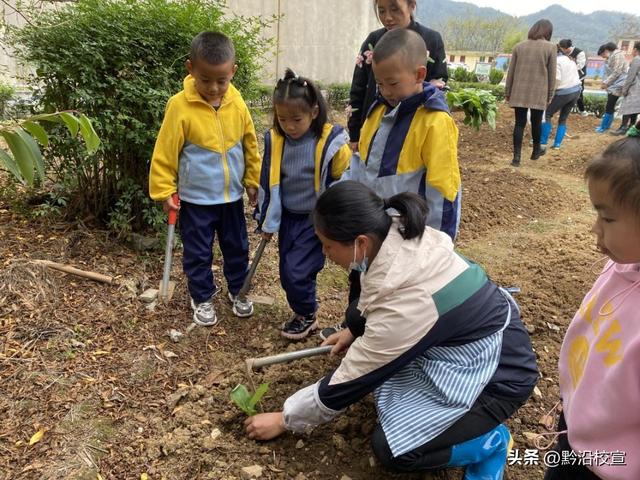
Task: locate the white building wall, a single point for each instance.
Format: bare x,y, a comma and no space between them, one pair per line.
316,38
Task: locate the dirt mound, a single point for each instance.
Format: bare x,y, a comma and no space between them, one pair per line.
505,198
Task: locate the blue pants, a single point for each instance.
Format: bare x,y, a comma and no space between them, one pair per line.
301,259
198,226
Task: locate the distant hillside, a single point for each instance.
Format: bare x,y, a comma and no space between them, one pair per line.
587,31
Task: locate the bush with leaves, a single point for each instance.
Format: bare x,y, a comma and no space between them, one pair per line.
6,93
495,90
23,158
495,76
479,106
119,61
461,74
338,95
595,104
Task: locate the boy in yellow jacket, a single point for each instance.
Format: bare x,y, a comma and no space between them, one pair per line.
207,151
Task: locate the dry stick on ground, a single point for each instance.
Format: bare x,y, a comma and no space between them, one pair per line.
98,277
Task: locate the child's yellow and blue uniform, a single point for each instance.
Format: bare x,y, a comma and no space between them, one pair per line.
413,148
208,155
294,174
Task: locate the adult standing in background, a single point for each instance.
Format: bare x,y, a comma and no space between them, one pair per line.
565,97
530,84
615,74
631,93
392,14
580,59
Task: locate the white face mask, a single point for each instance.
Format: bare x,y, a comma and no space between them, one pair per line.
358,266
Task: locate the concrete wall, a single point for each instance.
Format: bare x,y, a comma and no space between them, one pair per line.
316,38
10,71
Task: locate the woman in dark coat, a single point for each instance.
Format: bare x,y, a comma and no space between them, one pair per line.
392,14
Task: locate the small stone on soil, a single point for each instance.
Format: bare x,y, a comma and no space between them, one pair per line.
254,471
340,443
175,335
149,295
299,444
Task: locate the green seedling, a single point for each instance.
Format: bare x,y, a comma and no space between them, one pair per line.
245,401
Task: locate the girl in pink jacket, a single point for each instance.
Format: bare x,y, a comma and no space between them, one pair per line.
600,357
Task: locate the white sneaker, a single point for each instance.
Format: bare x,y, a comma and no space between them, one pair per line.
241,308
204,314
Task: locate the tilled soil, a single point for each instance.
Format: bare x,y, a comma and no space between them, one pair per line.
95,370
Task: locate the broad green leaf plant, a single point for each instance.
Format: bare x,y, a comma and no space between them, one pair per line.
22,156
245,400
479,106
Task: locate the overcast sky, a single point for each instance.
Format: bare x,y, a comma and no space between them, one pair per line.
582,6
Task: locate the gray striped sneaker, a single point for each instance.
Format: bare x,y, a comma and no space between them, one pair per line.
204,314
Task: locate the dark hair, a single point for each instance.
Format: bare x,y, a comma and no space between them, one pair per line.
212,47
636,45
541,30
408,2
619,166
404,41
348,209
565,43
306,93
610,46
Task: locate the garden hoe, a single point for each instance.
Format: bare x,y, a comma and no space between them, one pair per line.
167,287
246,286
256,363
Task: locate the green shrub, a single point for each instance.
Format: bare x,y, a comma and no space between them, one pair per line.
479,106
595,104
6,93
461,74
495,76
496,90
262,98
338,95
118,61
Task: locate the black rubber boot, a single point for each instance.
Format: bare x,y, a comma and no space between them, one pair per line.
516,159
538,151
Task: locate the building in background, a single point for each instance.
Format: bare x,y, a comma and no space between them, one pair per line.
595,65
626,45
468,59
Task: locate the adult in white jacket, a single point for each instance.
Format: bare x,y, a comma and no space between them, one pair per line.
441,347
568,88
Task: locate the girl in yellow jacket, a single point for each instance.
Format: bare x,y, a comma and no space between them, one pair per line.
303,155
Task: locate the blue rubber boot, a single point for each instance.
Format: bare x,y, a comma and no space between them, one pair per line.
605,124
562,129
485,456
545,132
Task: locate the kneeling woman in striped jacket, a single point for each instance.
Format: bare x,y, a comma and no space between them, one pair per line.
441,347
